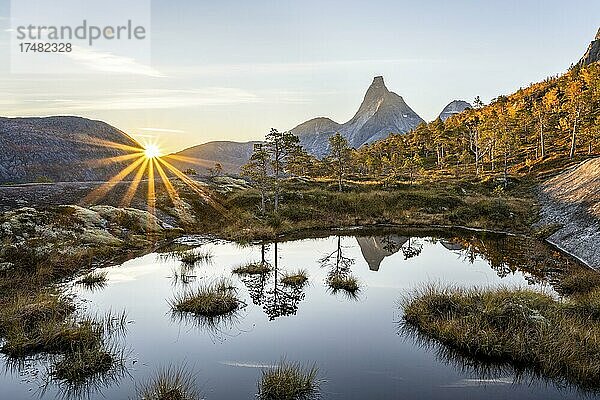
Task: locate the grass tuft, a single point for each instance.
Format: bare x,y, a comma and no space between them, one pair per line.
171,383
347,283
194,257
522,328
83,363
289,381
94,279
212,300
253,269
580,282
298,278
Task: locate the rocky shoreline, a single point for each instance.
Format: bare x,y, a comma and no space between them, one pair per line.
571,206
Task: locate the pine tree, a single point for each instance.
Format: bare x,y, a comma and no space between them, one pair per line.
339,155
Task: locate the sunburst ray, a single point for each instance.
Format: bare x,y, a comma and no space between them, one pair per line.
189,160
194,186
177,202
103,189
115,159
151,195
132,189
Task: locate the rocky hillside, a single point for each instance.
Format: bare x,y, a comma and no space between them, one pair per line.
60,149
454,107
592,54
382,112
571,200
231,156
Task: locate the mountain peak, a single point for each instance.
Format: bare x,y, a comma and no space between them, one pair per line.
381,113
378,81
592,54
454,107
376,92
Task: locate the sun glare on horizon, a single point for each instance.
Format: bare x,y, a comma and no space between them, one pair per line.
152,151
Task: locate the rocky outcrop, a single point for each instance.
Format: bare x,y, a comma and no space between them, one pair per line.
61,149
381,113
571,203
68,231
453,108
592,54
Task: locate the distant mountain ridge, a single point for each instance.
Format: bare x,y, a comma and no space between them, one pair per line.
60,149
453,108
231,155
381,113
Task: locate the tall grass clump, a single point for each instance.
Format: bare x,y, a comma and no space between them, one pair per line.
194,257
289,381
82,363
298,278
171,383
211,300
347,283
93,280
518,327
580,282
253,269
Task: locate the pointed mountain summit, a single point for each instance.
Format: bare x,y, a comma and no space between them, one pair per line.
454,107
592,54
381,113
375,248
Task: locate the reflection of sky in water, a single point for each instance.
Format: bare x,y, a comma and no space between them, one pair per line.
354,343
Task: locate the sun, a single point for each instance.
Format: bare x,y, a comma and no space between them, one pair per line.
152,151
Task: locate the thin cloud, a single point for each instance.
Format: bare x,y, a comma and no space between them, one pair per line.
137,100
162,130
108,62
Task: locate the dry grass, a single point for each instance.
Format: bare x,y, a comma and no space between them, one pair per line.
253,269
83,363
212,300
298,278
312,205
347,283
581,282
171,383
96,279
194,257
520,327
289,381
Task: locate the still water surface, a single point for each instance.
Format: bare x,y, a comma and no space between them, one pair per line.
354,341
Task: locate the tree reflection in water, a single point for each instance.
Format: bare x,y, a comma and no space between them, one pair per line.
505,254
266,290
339,277
337,263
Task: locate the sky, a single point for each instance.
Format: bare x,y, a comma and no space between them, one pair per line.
231,70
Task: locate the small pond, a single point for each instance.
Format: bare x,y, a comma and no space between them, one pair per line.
355,341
